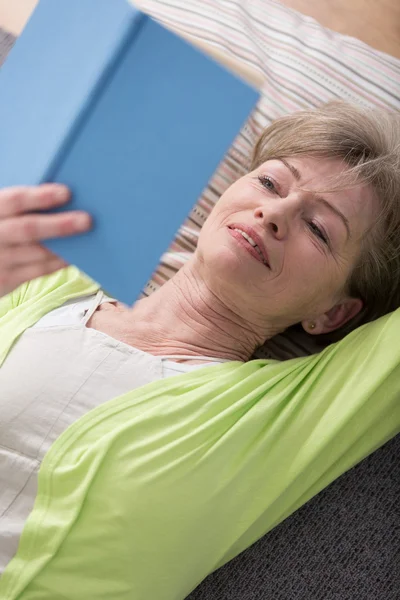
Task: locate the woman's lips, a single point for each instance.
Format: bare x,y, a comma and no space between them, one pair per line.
246,244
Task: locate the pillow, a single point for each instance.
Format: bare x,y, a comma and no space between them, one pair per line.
297,64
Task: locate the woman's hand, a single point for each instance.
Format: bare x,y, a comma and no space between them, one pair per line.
22,258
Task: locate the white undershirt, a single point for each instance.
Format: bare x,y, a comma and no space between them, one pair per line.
72,312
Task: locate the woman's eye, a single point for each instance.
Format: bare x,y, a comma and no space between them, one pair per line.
318,232
267,183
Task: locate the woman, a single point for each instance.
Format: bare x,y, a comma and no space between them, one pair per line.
309,235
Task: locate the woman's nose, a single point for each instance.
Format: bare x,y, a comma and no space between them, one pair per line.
274,221
278,215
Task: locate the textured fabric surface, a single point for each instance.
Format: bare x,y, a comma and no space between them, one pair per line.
343,544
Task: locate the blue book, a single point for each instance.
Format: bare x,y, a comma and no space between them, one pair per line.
132,118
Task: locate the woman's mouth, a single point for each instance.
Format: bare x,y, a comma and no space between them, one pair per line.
248,243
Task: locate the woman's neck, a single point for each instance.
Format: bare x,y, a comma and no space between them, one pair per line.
185,318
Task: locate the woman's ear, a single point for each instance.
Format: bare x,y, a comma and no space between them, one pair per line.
334,318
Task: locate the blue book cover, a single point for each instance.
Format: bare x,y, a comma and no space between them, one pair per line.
131,117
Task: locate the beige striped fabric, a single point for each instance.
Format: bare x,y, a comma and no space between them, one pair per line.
298,64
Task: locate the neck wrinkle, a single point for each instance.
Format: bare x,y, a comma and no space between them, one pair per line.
185,317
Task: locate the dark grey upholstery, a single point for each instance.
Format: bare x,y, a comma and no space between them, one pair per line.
342,545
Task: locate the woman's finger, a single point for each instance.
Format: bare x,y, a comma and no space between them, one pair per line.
28,228
22,199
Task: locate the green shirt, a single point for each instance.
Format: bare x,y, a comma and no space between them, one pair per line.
147,494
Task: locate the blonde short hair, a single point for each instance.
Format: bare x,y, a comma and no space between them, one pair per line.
368,141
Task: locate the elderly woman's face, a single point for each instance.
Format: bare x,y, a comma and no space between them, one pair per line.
277,251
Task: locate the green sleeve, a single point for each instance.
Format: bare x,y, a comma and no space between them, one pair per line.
6,304
13,299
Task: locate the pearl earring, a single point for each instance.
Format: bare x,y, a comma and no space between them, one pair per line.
312,325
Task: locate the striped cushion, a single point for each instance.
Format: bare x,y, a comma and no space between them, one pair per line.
299,64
